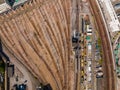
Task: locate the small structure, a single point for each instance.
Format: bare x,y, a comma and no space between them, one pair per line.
4,6
114,23
88,37
18,2
89,30
117,6
10,71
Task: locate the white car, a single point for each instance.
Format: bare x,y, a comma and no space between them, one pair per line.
99,74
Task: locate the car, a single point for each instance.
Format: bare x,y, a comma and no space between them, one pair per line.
82,73
1,79
11,2
82,49
89,89
89,59
20,87
99,74
77,56
82,64
89,63
118,74
74,40
99,69
82,53
82,79
78,34
98,66
77,47
89,69
89,78
82,60
47,87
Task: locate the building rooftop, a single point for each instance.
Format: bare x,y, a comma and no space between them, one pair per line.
2,1
114,23
18,2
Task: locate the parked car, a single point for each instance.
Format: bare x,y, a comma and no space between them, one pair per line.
77,47
89,77
89,68
20,87
99,68
82,79
74,40
99,74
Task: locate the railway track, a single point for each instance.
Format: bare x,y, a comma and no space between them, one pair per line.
41,39
38,33
107,54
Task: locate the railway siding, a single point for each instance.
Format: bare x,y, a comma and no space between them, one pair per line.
110,79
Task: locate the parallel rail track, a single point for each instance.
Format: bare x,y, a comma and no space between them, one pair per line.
107,54
38,34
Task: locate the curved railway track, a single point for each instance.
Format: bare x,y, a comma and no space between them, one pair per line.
38,34
107,54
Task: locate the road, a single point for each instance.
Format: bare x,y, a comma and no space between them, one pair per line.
109,69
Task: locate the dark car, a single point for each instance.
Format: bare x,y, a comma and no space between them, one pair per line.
82,79
74,40
20,87
47,87
11,2
98,66
77,47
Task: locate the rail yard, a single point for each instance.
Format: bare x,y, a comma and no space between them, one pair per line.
59,45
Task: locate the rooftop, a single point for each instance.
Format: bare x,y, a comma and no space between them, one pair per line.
18,2
2,1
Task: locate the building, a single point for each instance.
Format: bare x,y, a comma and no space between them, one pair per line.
10,71
4,6
20,87
18,2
